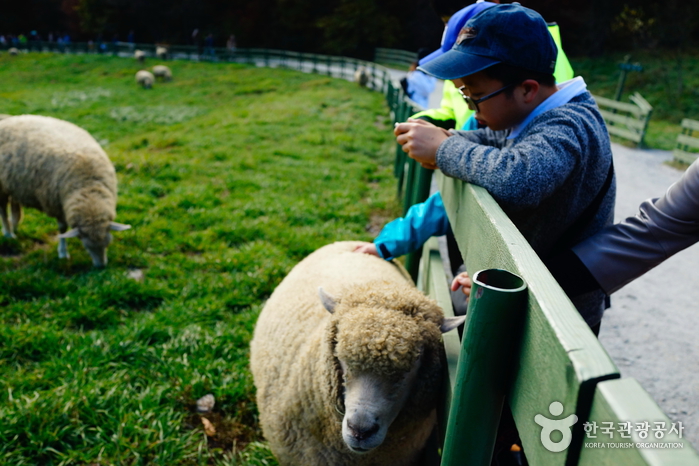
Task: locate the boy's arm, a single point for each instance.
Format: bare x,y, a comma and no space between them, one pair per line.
407,234
442,116
519,175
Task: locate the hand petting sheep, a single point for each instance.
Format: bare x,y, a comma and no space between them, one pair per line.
58,168
348,374
145,78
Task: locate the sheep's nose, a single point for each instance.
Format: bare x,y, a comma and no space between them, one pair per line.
361,433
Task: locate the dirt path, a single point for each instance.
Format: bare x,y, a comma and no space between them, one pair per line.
651,331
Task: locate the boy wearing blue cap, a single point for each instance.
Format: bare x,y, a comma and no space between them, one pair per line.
545,155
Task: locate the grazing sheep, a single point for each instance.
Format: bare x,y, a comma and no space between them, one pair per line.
162,72
140,55
13,51
161,52
351,380
58,168
361,76
145,78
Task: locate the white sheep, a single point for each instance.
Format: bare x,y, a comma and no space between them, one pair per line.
140,55
145,78
350,380
13,51
162,72
161,52
361,76
58,168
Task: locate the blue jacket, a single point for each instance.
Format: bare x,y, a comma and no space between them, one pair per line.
406,234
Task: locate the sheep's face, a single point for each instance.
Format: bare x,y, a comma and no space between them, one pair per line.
372,402
96,237
380,354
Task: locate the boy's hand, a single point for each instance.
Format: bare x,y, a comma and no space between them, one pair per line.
367,248
464,281
420,140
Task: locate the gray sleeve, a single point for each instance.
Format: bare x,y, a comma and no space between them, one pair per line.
661,228
519,174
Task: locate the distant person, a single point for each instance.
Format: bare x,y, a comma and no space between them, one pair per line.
209,43
231,45
196,40
417,85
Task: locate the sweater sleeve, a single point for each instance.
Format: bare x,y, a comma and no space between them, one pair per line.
661,228
518,173
407,234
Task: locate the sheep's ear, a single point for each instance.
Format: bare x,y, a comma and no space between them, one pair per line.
450,323
72,233
114,226
328,301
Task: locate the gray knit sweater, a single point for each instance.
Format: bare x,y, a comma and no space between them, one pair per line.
544,178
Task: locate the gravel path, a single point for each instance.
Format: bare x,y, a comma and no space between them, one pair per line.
652,327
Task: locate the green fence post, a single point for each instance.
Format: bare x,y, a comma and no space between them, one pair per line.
494,320
419,193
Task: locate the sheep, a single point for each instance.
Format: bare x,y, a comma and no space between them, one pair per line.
162,72
350,379
58,168
13,51
161,52
361,76
145,78
140,55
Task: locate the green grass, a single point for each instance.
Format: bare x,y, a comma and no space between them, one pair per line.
229,175
670,84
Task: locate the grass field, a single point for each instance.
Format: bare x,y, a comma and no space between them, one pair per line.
229,175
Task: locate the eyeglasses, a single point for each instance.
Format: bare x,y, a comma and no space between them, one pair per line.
473,103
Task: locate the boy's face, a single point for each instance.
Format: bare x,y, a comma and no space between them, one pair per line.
498,112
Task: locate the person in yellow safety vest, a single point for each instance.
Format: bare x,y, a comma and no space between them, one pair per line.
453,112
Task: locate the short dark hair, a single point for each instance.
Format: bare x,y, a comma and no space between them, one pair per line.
508,74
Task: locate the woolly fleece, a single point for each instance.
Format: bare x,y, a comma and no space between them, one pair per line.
58,168
381,323
145,78
162,71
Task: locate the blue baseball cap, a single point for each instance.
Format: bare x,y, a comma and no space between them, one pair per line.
454,25
510,34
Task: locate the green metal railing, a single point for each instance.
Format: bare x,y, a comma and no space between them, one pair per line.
556,358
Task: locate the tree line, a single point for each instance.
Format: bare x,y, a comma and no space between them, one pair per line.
345,27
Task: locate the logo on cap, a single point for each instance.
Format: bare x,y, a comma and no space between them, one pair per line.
466,33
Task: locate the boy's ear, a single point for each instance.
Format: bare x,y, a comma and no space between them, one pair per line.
530,88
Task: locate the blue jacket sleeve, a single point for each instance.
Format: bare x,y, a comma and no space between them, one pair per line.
404,235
